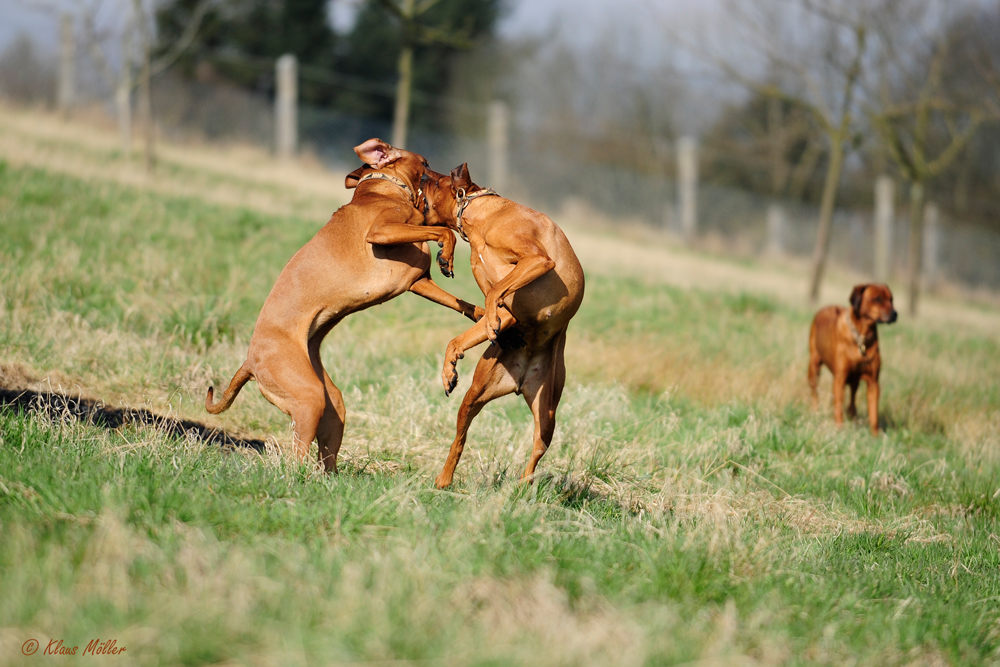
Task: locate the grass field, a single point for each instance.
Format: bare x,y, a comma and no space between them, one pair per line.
693,508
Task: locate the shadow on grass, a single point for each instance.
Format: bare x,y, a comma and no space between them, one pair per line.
60,407
576,492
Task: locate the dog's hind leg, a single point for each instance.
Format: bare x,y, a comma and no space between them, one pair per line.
491,380
839,384
815,363
871,385
330,433
542,391
330,430
292,386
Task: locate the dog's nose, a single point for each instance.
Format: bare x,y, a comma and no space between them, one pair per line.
892,317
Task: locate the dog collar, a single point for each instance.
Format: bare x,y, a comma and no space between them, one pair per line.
858,338
463,202
414,198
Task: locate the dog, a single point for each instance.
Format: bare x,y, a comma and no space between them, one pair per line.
845,340
371,250
533,284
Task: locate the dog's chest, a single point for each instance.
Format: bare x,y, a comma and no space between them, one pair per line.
861,363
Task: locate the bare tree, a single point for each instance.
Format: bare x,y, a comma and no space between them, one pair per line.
813,55
923,129
131,37
982,49
408,13
776,145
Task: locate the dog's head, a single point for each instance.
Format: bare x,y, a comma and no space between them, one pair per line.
377,155
442,194
873,302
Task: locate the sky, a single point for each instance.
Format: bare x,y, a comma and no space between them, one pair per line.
18,16
582,20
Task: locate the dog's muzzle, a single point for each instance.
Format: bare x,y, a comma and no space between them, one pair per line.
892,317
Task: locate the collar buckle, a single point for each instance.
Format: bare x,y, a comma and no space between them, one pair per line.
463,200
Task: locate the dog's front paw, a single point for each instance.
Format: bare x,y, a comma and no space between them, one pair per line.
449,374
446,264
492,315
446,255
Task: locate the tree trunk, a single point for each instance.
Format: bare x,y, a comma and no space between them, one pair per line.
146,112
145,86
401,118
776,141
916,241
826,215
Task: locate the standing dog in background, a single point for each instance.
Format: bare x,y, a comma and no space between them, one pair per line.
846,341
533,284
371,250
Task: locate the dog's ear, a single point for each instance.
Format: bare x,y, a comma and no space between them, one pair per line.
856,295
377,153
460,177
351,181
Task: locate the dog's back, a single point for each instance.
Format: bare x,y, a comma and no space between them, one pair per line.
338,272
554,296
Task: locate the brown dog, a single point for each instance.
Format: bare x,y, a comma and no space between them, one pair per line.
370,251
533,284
846,341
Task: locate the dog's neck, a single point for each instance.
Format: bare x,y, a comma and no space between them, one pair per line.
462,201
378,175
863,330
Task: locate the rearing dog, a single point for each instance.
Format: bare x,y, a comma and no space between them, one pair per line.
371,250
845,340
533,284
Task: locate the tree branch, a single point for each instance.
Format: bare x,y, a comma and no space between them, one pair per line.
184,41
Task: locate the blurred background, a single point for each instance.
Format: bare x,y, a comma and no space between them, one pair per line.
863,134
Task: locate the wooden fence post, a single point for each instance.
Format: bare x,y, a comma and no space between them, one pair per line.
66,89
123,106
687,186
884,217
932,241
775,231
285,109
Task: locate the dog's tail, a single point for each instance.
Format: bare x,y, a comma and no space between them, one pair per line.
241,378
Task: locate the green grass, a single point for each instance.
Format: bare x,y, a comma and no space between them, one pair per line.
693,508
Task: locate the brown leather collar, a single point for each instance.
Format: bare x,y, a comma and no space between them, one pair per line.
414,197
858,338
464,200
